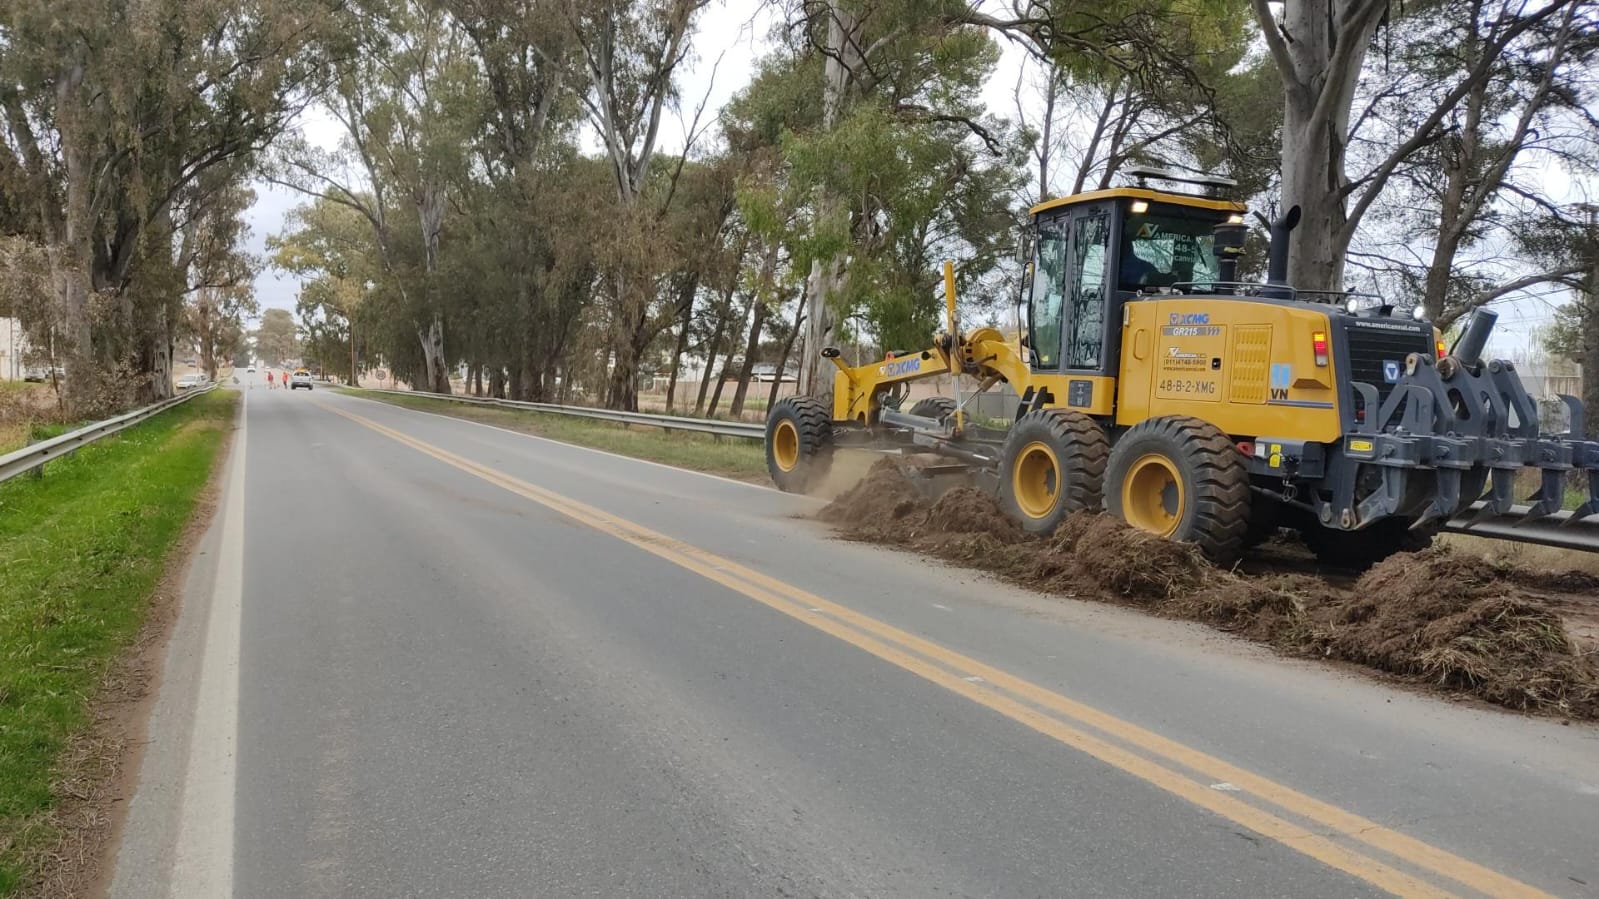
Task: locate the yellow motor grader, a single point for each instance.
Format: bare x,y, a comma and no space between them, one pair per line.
1154,384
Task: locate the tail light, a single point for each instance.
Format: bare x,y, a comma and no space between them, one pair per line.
1442,350
1318,342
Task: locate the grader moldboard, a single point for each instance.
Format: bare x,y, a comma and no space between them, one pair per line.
1156,385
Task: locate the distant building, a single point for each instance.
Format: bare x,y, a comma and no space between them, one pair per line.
13,347
1545,380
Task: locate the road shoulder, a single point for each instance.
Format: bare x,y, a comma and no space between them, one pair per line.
96,774
136,857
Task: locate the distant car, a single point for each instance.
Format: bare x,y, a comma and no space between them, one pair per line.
766,372
188,382
251,369
301,378
37,373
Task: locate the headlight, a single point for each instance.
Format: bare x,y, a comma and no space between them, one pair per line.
1418,313
1352,305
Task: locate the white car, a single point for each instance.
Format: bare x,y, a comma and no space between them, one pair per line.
188,382
766,373
301,378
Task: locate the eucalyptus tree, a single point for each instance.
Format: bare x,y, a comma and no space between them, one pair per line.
111,111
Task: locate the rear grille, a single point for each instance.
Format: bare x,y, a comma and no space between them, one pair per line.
1377,350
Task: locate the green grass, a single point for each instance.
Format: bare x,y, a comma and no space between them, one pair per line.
81,550
732,457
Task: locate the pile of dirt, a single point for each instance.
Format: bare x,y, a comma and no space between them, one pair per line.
1456,621
1448,619
967,510
883,507
1274,609
1137,564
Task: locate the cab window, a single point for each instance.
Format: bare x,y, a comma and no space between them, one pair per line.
1048,295
1163,250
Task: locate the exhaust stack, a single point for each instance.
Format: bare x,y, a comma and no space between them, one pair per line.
1277,258
1468,348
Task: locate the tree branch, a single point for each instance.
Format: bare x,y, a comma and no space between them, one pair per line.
1555,275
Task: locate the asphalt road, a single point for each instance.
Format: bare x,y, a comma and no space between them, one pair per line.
423,657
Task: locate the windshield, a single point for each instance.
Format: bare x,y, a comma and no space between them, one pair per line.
1159,250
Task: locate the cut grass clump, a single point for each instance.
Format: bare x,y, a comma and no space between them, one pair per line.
1448,619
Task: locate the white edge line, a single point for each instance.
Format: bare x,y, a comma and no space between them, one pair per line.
590,449
202,860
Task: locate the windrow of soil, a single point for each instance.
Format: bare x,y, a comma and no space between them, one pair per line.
1441,618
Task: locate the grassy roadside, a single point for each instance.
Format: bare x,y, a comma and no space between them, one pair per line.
81,551
742,459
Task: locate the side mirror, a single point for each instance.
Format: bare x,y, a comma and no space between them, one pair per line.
1024,248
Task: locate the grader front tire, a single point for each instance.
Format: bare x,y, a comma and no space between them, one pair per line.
799,443
1182,479
1051,465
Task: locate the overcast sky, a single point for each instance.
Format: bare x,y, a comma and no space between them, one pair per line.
732,35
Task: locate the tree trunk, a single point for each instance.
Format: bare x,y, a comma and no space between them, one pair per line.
621,391
751,347
1319,62
714,347
208,340
1459,169
819,324
1316,254
843,59
154,356
69,268
497,382
430,205
1590,339
435,371
727,364
677,357
788,350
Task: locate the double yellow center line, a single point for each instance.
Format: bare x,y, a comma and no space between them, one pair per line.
1324,832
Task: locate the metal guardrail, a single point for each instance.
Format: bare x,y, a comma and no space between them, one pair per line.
34,455
742,429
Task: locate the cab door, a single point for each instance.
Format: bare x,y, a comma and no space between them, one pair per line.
1086,331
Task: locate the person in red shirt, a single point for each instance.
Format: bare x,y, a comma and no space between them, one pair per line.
270,383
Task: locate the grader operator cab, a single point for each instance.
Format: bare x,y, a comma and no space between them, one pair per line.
1154,384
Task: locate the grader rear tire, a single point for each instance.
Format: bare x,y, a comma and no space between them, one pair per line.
933,407
1181,478
799,443
1051,465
